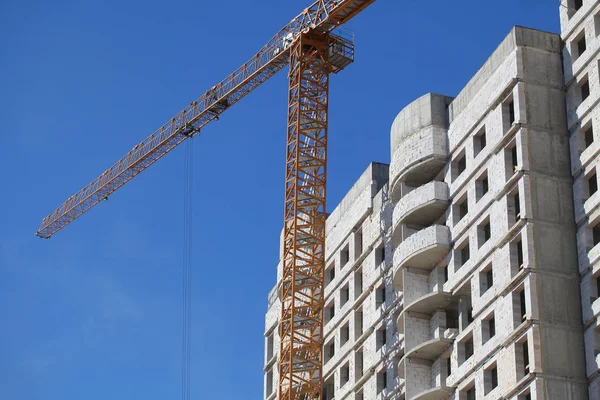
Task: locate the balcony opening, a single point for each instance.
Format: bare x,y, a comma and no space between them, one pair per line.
461,255
519,305
459,165
448,367
358,285
596,282
329,388
490,378
465,349
344,256
514,207
479,141
358,324
270,346
592,183
514,157
452,319
580,44
588,136
345,374
460,209
572,7
329,312
381,338
358,364
329,350
522,357
596,341
525,350
358,244
359,396
465,306
516,256
508,114
269,382
344,295
488,328
330,274
511,159
486,279
481,186
524,396
584,88
381,381
380,255
511,112
445,274
523,304
469,394
596,234
465,254
345,334
484,232
597,24
380,296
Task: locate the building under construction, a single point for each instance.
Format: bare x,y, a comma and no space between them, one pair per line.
469,268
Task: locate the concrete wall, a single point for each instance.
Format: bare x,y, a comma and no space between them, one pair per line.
580,26
524,74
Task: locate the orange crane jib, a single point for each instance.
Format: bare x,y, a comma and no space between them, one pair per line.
313,49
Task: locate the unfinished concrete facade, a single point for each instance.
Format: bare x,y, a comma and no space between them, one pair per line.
470,269
484,238
580,31
362,347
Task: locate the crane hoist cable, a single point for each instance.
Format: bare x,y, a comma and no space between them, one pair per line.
186,330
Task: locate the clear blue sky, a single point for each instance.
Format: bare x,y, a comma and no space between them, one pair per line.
95,312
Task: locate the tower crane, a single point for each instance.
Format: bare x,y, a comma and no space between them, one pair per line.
313,49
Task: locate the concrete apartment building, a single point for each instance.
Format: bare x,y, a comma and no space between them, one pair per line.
580,32
469,268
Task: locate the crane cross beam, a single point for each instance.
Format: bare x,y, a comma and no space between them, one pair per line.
270,59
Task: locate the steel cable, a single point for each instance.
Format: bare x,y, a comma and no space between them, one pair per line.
187,270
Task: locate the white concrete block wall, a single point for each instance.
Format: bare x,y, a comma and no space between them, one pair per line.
429,142
581,115
529,75
432,192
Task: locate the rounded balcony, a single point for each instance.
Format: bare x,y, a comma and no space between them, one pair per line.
427,304
431,349
423,249
430,302
400,323
436,393
423,205
401,372
419,141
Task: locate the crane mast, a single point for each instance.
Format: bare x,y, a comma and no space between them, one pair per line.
313,50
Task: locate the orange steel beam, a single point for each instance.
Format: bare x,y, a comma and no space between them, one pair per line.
301,325
312,58
322,16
